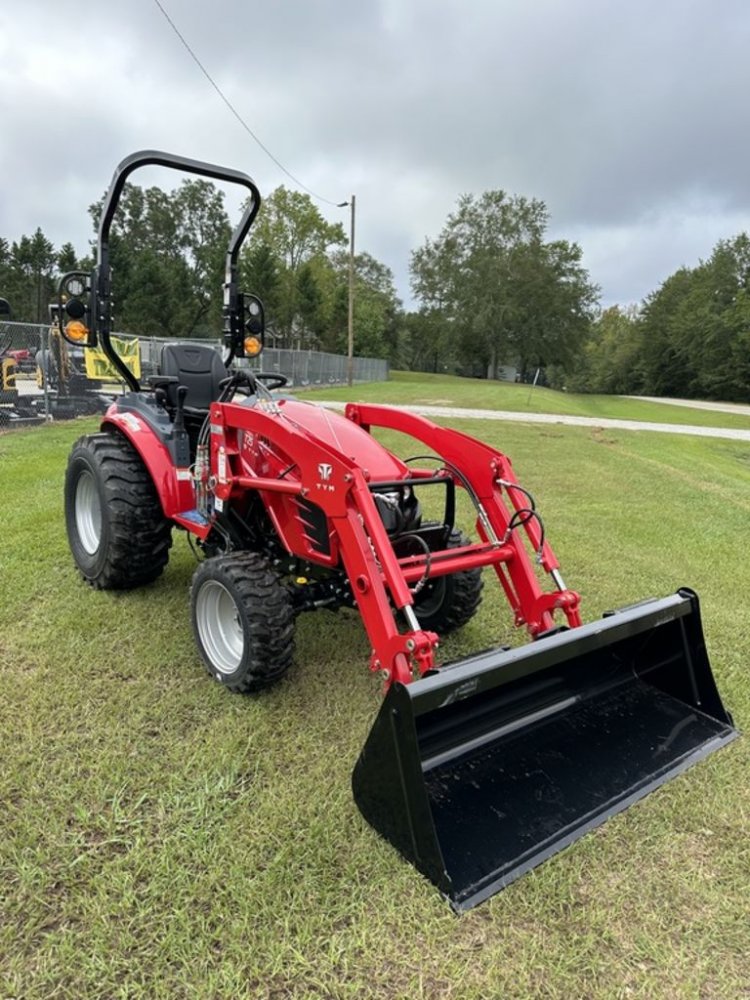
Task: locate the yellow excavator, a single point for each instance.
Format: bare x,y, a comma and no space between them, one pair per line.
62,370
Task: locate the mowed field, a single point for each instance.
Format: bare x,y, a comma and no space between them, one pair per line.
162,838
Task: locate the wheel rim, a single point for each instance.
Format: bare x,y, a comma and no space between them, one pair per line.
218,622
88,513
431,598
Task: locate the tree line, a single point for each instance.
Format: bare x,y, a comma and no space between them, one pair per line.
491,289
689,338
167,252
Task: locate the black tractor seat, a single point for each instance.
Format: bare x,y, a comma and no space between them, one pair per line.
201,371
199,368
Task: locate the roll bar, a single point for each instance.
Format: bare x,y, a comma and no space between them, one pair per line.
101,278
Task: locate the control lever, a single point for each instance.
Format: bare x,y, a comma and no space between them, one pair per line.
179,416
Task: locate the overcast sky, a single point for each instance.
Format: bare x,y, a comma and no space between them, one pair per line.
629,119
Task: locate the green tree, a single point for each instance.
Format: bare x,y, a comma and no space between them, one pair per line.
296,235
203,233
310,314
167,251
67,259
376,307
32,271
510,296
29,272
6,269
691,337
714,320
260,275
667,365
611,359
293,227
427,342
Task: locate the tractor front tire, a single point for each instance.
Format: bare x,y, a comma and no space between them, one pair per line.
448,602
243,621
118,534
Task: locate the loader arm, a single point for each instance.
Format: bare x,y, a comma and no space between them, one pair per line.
489,475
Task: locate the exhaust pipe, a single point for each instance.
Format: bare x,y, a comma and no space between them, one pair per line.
485,769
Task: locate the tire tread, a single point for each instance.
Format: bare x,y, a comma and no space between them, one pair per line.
139,534
268,607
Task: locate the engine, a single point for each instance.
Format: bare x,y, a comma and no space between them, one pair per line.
399,510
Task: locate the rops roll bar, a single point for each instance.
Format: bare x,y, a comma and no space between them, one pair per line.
100,301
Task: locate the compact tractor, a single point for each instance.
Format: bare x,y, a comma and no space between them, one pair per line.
475,771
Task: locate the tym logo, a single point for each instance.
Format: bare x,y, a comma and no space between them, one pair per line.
325,470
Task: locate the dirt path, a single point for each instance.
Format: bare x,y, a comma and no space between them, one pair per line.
697,404
727,433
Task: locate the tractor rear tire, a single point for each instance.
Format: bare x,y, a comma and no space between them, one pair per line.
117,531
243,621
448,602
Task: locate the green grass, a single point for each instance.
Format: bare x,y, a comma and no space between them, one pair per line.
446,390
162,838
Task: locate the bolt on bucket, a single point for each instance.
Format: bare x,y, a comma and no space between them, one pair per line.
480,772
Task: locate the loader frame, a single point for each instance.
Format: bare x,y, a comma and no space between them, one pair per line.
380,581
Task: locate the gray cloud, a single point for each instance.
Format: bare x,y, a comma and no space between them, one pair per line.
628,120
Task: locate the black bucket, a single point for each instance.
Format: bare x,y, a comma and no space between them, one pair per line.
487,768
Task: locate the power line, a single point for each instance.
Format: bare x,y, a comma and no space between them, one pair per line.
239,117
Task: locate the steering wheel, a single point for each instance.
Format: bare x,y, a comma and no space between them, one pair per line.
272,379
245,381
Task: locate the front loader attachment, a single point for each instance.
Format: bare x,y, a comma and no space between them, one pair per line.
480,772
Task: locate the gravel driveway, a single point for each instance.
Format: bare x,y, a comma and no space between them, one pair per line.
729,433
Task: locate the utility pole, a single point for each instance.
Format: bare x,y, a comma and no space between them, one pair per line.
350,338
350,354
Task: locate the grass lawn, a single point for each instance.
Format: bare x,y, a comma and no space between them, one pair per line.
442,390
162,838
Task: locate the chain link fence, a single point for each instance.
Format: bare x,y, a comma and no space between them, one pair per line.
33,390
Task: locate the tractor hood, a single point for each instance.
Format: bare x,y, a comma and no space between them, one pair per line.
344,436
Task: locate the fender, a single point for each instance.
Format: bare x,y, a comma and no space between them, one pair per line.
174,486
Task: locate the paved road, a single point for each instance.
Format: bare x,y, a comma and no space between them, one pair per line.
728,433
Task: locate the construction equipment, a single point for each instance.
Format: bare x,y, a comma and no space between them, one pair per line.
61,369
475,771
8,372
22,356
8,361
15,409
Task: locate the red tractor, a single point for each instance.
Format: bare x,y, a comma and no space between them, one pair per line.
476,771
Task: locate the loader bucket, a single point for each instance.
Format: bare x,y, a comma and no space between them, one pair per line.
480,772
